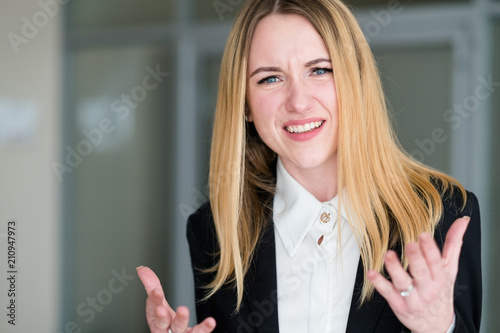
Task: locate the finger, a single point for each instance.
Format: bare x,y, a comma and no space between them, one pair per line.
430,251
400,278
453,243
181,320
153,287
148,278
206,326
386,289
158,317
158,313
161,320
418,265
156,298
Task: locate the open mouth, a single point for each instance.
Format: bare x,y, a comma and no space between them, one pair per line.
299,129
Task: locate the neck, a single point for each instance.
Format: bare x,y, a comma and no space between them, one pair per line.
320,181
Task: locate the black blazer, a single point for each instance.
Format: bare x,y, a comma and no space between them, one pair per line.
259,310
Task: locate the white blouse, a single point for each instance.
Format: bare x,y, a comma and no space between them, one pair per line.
315,283
315,277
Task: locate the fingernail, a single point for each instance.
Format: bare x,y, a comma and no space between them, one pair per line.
413,247
467,218
139,267
424,235
392,255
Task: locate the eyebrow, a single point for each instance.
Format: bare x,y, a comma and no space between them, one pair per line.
277,69
265,69
317,61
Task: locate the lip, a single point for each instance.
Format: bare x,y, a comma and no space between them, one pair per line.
303,136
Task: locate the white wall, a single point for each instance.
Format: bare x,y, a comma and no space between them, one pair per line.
29,189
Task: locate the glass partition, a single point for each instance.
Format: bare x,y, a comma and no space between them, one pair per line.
121,158
492,269
95,15
417,83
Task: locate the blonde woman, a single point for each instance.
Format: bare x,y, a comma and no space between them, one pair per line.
317,220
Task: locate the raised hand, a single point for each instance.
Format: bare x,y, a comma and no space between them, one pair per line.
423,302
160,316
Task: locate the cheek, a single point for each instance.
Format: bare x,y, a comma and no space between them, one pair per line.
264,109
265,126
326,95
265,122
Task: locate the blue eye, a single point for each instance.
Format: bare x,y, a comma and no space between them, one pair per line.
268,80
321,71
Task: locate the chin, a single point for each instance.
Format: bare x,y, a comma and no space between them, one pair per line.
313,161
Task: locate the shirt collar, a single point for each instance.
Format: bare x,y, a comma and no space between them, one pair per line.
295,209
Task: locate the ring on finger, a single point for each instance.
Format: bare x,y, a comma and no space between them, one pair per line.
406,292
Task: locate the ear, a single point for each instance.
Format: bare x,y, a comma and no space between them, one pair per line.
248,114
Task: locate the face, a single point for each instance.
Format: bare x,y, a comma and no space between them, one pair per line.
291,93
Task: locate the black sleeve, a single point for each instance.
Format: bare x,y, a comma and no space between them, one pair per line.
468,285
203,247
201,239
259,305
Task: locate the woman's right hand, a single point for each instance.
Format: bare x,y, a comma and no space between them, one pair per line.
160,316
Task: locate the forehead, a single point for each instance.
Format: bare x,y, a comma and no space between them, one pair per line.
278,38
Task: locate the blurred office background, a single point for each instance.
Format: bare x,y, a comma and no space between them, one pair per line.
105,119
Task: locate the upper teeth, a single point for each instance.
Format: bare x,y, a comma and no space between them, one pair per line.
304,128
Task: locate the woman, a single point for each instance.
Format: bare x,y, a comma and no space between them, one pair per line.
311,197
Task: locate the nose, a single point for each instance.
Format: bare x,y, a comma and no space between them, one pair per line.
299,98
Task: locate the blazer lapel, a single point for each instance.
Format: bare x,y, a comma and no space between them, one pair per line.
262,292
364,318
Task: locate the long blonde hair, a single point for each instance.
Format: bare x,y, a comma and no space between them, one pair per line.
392,197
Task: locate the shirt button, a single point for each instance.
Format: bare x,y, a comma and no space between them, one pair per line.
325,216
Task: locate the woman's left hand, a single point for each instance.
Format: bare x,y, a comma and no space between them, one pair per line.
423,302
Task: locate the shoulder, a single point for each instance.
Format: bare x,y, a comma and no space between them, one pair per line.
453,203
201,218
201,236
454,208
